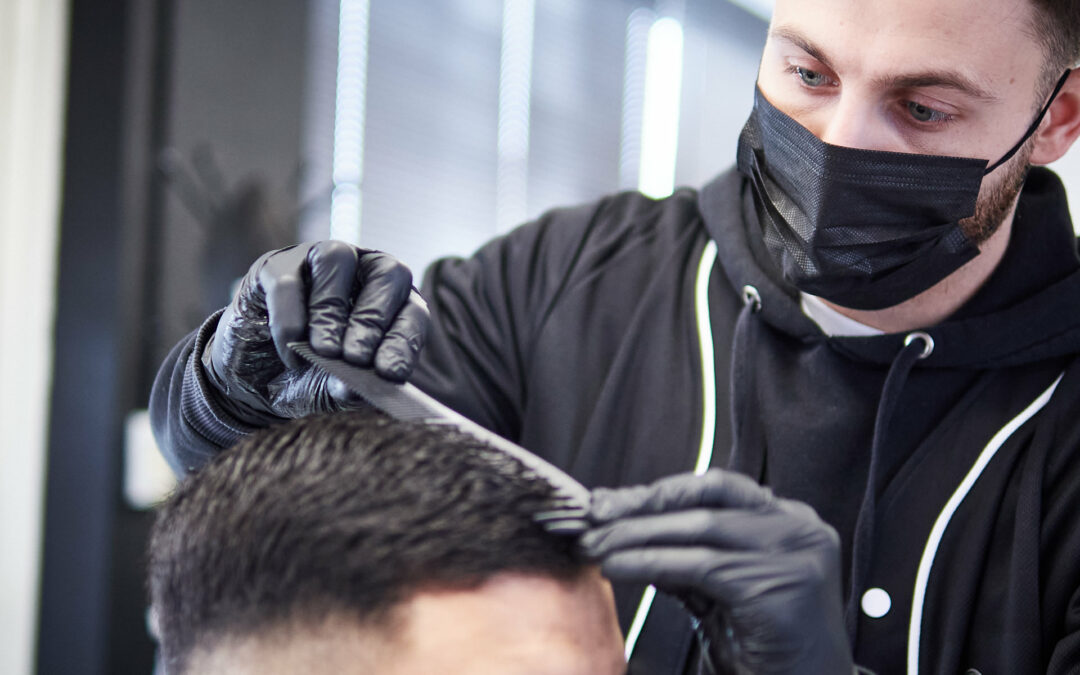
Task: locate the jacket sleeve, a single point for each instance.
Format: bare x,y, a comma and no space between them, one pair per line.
484,310
189,423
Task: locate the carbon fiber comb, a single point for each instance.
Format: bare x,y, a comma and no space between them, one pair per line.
403,401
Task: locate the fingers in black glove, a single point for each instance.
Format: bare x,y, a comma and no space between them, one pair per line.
761,574
333,270
715,489
386,288
347,302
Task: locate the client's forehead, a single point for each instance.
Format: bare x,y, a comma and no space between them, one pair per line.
514,624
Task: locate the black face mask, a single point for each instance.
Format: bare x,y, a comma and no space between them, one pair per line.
865,229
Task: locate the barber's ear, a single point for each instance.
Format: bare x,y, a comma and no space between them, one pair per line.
1061,126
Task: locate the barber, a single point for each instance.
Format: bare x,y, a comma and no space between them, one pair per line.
874,315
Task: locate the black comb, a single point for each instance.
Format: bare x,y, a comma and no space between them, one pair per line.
570,502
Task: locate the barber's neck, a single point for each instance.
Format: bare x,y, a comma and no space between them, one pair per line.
939,302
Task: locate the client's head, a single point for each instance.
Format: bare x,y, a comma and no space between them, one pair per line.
357,544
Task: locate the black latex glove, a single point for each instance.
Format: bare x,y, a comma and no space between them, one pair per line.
348,302
760,574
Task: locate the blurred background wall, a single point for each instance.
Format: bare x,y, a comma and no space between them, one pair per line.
153,148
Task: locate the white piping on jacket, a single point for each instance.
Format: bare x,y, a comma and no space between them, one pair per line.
708,363
708,417
926,563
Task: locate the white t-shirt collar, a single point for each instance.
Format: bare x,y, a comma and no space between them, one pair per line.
832,322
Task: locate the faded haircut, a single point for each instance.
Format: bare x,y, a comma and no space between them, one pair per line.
345,514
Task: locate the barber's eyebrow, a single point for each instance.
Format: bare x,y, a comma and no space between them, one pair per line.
948,79
802,42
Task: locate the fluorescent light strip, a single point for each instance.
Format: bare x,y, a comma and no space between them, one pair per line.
633,101
345,202
515,85
660,121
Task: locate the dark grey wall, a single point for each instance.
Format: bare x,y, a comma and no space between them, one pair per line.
237,98
146,76
81,480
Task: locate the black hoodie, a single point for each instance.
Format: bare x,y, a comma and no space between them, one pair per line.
583,337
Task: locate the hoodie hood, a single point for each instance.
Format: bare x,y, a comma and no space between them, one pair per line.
1023,314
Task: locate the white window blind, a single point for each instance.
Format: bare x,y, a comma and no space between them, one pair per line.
441,176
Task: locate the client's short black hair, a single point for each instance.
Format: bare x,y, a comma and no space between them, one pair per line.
339,514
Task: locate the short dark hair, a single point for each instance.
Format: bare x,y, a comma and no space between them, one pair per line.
1057,25
345,514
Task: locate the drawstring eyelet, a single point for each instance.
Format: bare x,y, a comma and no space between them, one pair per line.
752,298
928,342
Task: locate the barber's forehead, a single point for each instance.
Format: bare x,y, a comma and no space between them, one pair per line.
988,39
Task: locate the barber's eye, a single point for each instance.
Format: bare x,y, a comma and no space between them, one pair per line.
923,114
810,78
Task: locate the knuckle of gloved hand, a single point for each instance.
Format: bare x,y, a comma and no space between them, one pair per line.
394,363
385,266
411,328
594,543
329,318
288,258
249,301
415,341
369,324
332,253
704,524
418,301
276,282
417,327
607,504
675,491
399,277
816,539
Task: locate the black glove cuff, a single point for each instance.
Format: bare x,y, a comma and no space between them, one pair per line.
207,412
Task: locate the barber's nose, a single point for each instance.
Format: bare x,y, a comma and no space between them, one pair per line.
852,124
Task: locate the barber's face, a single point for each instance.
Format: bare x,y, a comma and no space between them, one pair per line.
953,77
512,625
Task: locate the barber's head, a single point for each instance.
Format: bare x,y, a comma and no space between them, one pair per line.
959,77
354,543
944,78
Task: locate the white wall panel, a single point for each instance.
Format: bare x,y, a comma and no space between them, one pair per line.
33,48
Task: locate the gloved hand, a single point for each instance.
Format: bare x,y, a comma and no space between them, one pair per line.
760,574
348,302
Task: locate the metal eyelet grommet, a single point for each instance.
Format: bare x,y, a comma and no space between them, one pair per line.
928,342
751,297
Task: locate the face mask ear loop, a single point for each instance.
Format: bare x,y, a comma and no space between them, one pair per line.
1034,125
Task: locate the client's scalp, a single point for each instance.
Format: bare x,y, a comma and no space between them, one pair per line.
346,513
